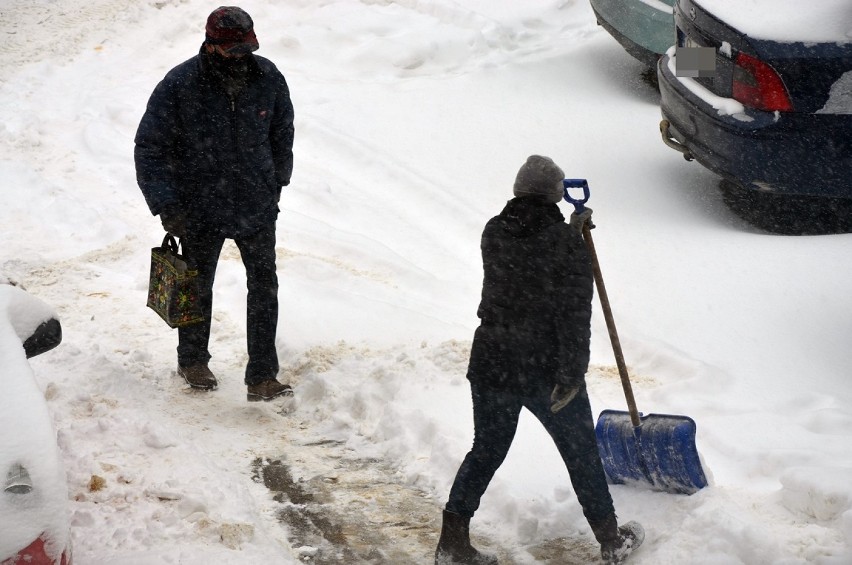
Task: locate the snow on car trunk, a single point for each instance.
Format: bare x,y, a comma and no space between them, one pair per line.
816,21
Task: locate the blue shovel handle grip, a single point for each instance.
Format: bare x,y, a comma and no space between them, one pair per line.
579,205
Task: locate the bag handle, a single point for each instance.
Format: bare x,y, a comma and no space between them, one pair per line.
175,246
170,243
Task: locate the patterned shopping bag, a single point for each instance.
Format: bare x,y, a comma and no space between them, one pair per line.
172,287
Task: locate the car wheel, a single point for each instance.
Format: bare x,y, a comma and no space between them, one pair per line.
788,214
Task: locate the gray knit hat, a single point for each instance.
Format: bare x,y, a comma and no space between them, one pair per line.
541,176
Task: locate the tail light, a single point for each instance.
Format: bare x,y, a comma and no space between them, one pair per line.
37,554
758,86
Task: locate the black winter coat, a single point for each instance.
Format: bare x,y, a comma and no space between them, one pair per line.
222,160
536,300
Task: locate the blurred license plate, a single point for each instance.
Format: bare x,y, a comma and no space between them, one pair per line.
694,60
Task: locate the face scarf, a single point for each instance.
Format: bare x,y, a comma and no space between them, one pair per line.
234,68
232,72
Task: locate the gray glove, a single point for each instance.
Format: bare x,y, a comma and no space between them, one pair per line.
578,220
561,396
173,220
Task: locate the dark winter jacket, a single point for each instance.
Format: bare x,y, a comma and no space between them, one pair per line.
536,300
223,160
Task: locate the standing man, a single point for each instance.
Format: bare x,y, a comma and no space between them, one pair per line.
531,351
213,151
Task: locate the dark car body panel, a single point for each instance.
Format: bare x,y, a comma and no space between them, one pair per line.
792,153
802,152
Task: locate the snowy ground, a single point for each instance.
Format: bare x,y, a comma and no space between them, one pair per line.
412,119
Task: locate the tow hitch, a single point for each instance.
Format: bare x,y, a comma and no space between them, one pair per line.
672,142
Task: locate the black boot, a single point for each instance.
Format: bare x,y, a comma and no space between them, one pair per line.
617,542
198,376
454,546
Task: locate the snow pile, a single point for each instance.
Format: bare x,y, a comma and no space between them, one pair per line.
840,96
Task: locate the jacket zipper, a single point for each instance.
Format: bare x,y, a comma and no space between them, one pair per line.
233,101
235,139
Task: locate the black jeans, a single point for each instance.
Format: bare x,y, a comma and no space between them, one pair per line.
258,255
495,420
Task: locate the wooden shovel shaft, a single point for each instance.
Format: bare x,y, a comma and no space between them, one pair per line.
610,325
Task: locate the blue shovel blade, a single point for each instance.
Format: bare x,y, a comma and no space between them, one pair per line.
660,453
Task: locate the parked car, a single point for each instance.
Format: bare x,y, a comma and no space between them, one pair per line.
774,118
33,500
645,28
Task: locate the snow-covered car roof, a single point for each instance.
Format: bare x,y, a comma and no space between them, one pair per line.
812,21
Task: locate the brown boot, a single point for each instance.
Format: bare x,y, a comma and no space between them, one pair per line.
198,376
454,546
617,542
267,390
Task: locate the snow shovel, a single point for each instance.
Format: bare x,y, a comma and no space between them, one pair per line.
657,450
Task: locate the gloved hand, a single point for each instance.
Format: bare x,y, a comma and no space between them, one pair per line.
578,220
174,220
561,396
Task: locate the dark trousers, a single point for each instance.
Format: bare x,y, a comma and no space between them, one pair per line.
258,255
495,420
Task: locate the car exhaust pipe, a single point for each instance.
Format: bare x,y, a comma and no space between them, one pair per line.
672,142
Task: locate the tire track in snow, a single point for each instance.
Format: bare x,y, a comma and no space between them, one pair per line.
389,40
367,179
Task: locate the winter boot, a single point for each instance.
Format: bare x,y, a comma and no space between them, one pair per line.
267,390
198,376
617,542
454,546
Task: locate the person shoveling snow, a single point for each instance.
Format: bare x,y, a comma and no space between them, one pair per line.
531,351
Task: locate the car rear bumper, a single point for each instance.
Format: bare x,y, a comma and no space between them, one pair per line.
786,153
